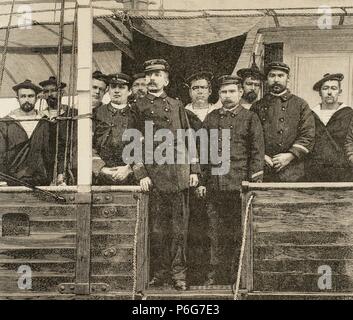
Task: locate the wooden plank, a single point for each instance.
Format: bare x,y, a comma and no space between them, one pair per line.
302,237
121,254
41,212
305,196
54,226
297,282
112,211
43,266
108,268
13,198
114,197
116,282
83,247
41,282
29,254
124,226
104,240
39,241
280,252
312,218
338,266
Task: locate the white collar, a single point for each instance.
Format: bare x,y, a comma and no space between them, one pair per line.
118,106
279,94
156,94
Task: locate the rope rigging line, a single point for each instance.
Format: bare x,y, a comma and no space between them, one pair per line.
4,53
242,250
59,75
72,89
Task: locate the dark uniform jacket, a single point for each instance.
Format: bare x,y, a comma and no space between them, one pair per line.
328,161
165,113
110,124
289,126
246,148
27,159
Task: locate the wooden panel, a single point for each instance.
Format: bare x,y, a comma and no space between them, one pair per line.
108,268
41,212
101,241
114,211
124,226
39,241
115,281
299,282
29,254
60,267
41,282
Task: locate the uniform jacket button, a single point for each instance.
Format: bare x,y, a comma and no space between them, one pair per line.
233,115
231,127
166,109
151,101
281,119
263,119
152,112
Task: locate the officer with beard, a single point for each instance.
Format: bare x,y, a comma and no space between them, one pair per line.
251,80
24,139
289,127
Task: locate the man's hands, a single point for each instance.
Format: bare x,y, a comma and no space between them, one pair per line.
116,174
268,161
146,184
201,192
3,184
194,180
282,160
61,180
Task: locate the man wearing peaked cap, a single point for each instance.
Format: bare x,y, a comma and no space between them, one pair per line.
168,184
156,65
288,125
241,147
110,122
139,87
251,80
24,141
327,162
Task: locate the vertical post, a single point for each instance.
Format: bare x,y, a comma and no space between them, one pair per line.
84,180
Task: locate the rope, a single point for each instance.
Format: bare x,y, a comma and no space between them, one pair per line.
4,53
134,258
243,242
72,89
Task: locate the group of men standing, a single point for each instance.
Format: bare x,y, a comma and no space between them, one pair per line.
277,138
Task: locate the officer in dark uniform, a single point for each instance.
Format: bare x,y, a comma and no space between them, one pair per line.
246,160
289,127
111,120
168,183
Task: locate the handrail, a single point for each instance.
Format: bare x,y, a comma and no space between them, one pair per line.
297,185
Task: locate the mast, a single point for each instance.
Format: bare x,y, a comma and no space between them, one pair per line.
84,142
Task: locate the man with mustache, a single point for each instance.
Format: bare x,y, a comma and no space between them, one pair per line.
139,86
328,162
111,120
289,127
24,140
63,133
251,80
167,184
246,159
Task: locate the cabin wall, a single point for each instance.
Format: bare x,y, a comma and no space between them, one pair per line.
310,53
